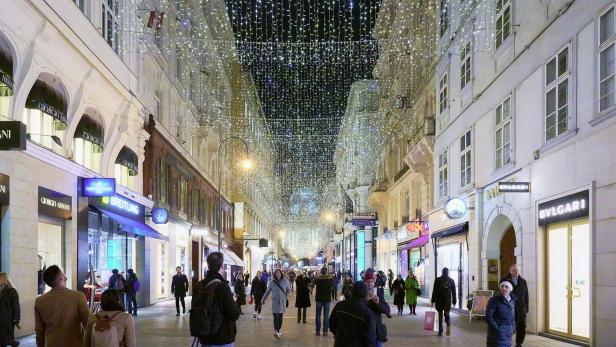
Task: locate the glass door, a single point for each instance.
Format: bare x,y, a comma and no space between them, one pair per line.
568,280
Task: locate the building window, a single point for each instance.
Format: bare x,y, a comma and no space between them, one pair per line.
178,63
183,194
503,133
110,23
158,38
164,181
126,168
503,21
465,159
88,144
80,4
157,105
45,116
444,17
465,65
606,59
442,86
557,95
442,174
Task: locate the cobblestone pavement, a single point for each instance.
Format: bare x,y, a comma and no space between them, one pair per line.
157,325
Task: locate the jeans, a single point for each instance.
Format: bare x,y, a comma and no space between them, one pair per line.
277,321
131,302
335,292
257,307
179,299
440,319
325,307
299,314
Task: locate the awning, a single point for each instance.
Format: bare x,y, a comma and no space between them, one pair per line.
133,226
231,259
418,242
460,228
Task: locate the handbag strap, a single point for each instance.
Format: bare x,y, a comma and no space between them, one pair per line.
278,285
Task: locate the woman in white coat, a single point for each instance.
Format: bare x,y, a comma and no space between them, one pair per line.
280,288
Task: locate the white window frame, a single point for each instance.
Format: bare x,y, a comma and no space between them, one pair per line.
502,7
443,17
157,105
443,92
608,43
554,86
466,158
443,174
110,15
466,72
502,126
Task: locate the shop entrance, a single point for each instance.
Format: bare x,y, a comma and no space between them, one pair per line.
507,252
500,250
568,279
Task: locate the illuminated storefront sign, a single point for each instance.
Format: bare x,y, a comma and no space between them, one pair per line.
12,135
160,215
514,187
99,187
120,205
455,208
566,208
361,239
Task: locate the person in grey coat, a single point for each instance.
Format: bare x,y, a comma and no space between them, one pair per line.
280,289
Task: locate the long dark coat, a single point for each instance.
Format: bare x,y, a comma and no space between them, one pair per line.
257,289
521,293
500,316
302,299
240,292
398,289
444,293
9,315
179,285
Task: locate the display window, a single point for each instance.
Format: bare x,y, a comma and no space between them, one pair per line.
180,258
163,265
6,80
126,168
454,256
88,143
49,250
45,114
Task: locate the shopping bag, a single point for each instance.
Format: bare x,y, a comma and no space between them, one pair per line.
250,300
429,320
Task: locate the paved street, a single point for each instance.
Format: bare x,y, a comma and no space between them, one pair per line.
157,325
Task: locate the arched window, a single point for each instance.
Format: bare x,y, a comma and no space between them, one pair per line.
127,168
88,143
45,113
6,80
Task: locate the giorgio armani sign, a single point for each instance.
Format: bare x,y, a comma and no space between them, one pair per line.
566,208
12,135
4,189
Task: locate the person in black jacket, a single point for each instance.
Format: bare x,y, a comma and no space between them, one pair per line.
443,296
257,289
224,301
302,300
131,292
397,287
240,292
352,322
9,311
179,287
377,306
520,290
323,297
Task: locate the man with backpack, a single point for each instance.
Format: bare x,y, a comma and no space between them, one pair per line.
443,296
213,311
132,287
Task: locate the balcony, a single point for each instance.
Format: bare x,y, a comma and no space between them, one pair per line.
379,186
401,173
419,157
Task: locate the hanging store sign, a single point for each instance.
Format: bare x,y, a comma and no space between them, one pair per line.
455,208
12,135
263,243
98,187
364,219
566,208
5,187
54,204
120,205
513,187
160,215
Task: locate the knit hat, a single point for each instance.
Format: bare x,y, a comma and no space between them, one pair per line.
369,274
506,283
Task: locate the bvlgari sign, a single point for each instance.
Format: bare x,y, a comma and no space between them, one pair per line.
12,135
566,208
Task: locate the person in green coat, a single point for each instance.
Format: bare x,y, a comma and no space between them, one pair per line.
412,288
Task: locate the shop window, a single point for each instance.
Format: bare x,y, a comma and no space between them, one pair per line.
127,168
503,21
6,81
88,143
49,250
503,133
163,260
45,116
110,23
557,95
465,159
607,61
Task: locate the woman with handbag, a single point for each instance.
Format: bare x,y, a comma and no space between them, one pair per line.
398,289
412,289
280,289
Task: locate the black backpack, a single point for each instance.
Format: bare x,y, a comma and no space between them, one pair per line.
206,319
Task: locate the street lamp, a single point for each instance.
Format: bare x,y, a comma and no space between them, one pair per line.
246,165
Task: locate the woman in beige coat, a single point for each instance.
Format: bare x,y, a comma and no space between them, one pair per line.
121,321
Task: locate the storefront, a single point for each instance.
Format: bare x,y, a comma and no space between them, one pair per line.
451,251
565,224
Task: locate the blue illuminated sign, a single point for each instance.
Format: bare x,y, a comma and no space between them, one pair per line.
160,215
361,240
99,187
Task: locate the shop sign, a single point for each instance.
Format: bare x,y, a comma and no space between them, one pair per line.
364,219
514,187
98,187
455,208
160,215
6,79
50,110
5,187
566,208
12,135
263,243
54,204
120,205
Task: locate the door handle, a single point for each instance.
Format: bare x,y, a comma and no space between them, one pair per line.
579,292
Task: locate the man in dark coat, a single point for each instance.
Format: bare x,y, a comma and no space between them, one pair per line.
520,290
302,300
224,300
443,296
179,287
131,292
323,296
352,322
500,316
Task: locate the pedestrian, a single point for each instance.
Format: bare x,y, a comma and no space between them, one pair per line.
500,316
257,289
240,292
61,314
520,290
302,300
390,281
443,296
112,279
352,322
398,290
377,307
246,279
335,284
132,287
111,326
179,287
280,289
381,282
265,277
292,277
9,311
120,285
225,309
347,287
323,284
411,286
